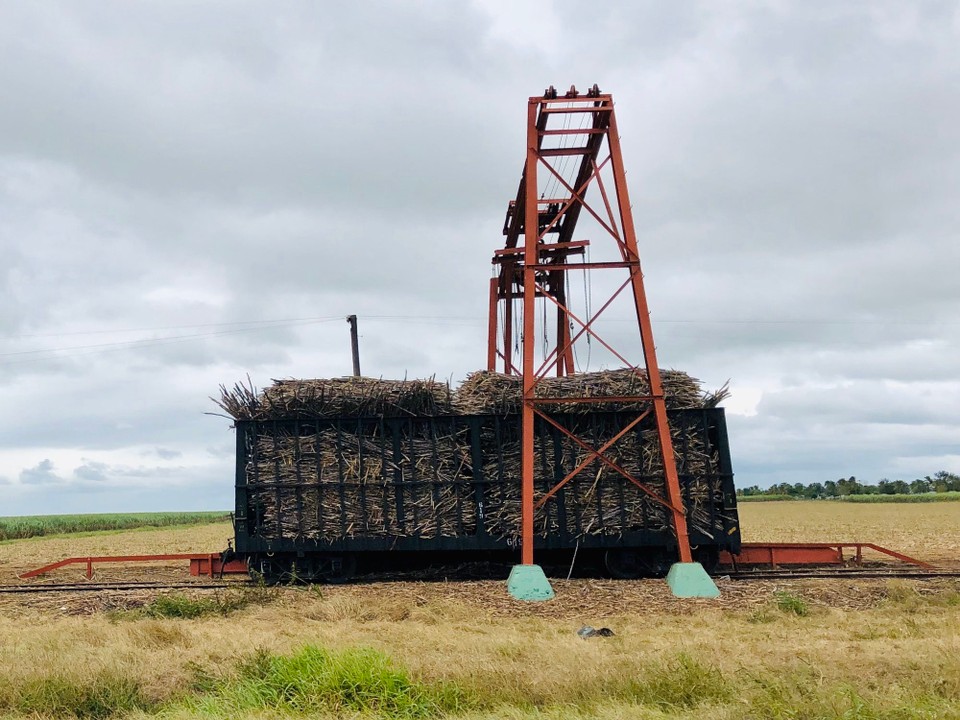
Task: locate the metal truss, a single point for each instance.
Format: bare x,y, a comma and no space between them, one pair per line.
533,265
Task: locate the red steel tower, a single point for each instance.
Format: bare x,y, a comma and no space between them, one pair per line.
573,169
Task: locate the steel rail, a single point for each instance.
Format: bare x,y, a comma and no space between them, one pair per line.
123,587
851,574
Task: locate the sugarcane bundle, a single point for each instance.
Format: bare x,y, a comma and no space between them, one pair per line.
350,485
337,397
485,391
334,483
600,500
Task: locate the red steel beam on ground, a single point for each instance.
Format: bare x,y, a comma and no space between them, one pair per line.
213,566
206,564
777,554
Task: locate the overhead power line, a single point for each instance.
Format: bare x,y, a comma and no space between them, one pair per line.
234,328
49,353
119,331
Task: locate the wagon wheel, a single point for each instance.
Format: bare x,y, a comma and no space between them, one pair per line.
337,569
268,570
708,556
631,563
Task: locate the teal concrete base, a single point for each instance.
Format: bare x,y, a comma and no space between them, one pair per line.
527,582
690,580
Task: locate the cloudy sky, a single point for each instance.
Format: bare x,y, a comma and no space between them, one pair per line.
191,192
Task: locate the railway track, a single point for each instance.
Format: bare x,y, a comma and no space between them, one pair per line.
848,574
799,574
116,587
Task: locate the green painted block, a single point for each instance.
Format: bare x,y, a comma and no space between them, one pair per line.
690,580
527,582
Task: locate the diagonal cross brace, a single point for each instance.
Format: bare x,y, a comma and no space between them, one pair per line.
607,461
592,457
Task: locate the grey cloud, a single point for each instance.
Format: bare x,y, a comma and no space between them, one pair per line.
189,490
41,474
793,168
222,451
92,471
269,106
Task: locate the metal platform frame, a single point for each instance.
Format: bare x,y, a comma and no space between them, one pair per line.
537,270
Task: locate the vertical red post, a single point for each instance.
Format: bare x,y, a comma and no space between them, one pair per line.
649,349
492,327
531,260
565,350
508,273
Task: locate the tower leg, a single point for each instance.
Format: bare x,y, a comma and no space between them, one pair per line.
690,580
528,582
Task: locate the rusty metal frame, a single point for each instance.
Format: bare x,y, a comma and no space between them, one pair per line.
536,269
828,553
200,563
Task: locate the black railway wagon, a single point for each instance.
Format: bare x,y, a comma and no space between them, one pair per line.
324,498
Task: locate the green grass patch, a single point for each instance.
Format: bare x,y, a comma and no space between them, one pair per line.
765,498
185,607
922,498
681,682
360,682
316,681
802,695
104,695
907,598
791,604
20,528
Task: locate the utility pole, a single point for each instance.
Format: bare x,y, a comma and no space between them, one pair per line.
354,344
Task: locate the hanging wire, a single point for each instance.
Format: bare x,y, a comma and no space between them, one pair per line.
567,160
564,159
517,334
546,340
552,183
588,304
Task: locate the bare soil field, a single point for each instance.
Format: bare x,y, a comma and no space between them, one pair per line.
788,649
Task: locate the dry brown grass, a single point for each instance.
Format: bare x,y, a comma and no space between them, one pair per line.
889,649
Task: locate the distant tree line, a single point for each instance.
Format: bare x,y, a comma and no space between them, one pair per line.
942,481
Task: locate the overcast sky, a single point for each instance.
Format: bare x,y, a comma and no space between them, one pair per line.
191,192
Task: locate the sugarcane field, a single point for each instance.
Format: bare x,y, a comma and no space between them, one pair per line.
479,360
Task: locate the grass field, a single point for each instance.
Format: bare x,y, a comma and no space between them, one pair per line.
20,528
797,649
924,498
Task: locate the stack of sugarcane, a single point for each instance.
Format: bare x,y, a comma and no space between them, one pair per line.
349,482
490,392
337,397
599,500
332,483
